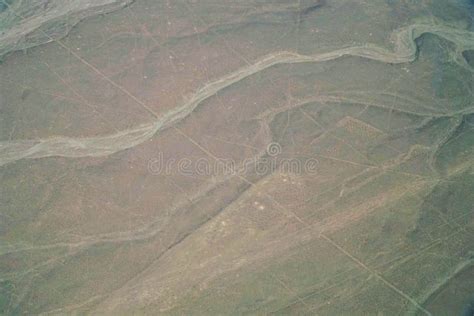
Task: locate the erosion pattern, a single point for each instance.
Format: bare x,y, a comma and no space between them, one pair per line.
405,51
26,24
109,200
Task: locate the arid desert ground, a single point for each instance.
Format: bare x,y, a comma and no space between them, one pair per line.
236,157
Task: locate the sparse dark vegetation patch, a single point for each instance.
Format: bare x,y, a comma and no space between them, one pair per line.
469,57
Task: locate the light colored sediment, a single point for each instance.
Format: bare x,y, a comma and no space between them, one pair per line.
404,51
17,32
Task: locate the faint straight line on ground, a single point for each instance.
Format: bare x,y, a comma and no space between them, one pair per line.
375,274
96,70
324,237
148,109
